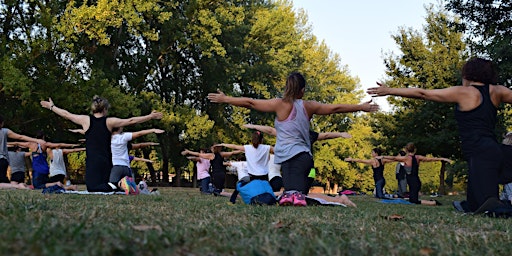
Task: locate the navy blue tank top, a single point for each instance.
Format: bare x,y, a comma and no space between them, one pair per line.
477,124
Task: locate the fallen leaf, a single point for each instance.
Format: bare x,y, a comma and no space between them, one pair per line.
278,224
147,227
393,217
425,251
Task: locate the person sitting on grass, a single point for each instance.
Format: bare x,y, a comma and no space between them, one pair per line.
17,165
5,134
203,172
217,163
377,165
58,166
120,157
412,163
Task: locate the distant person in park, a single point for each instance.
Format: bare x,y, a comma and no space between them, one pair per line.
257,156
377,165
293,115
121,160
217,164
5,134
58,171
98,132
401,177
17,163
477,102
202,171
40,167
275,177
411,165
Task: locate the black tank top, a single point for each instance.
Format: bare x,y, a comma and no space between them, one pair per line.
415,167
378,172
98,139
218,164
477,123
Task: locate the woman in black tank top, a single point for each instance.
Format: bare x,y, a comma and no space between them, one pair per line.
377,165
98,130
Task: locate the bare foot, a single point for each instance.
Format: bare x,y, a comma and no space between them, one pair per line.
72,187
346,201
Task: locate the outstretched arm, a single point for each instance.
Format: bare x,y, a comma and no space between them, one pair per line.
229,154
231,146
452,94
82,120
333,135
142,160
433,159
327,109
15,136
144,144
60,145
257,104
364,161
72,150
208,156
118,122
144,132
262,128
81,131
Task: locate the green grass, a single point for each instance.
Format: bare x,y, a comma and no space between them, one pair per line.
182,222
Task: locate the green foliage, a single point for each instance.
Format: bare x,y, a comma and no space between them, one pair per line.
487,25
430,59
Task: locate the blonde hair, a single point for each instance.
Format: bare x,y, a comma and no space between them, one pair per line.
294,85
99,104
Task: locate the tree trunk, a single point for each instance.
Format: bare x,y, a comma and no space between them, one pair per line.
442,190
335,189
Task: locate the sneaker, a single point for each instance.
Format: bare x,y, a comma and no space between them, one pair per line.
299,199
143,188
134,189
286,199
124,184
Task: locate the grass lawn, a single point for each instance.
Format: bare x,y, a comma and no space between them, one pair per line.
182,222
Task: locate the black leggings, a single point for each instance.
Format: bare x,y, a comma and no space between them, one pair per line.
295,172
3,170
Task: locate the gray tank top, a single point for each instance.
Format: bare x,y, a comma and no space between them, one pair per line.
292,134
17,161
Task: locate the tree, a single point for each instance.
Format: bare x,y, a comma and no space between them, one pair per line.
488,25
429,60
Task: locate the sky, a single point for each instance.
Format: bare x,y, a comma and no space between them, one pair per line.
360,32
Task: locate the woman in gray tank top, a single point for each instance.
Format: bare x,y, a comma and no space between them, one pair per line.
292,149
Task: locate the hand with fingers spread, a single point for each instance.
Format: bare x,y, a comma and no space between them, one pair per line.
381,90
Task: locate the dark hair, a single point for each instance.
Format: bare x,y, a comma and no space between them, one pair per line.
402,153
377,151
116,129
294,85
40,135
257,138
410,147
479,70
99,104
1,120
